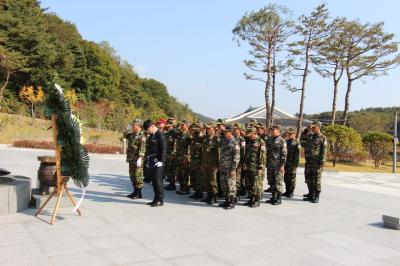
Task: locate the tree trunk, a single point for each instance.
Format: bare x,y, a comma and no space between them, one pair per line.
347,100
267,89
273,90
335,92
303,93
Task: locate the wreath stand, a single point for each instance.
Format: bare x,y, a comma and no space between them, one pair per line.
62,181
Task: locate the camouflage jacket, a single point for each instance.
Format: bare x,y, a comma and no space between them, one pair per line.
136,146
170,138
182,146
293,152
229,156
255,155
196,148
276,152
315,148
242,142
210,151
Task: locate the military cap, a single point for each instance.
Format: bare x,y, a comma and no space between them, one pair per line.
211,124
316,123
228,128
171,118
184,121
275,127
291,131
253,122
251,130
195,125
147,124
136,121
220,122
170,123
259,125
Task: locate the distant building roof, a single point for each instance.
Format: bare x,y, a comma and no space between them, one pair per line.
280,117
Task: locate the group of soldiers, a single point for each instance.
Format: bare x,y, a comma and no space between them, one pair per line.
230,161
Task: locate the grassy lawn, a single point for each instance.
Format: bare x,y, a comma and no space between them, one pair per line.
15,127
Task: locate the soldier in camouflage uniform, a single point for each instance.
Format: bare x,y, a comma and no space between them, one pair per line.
292,162
254,167
315,148
229,160
170,164
240,182
276,158
135,154
220,127
196,152
252,123
209,163
183,157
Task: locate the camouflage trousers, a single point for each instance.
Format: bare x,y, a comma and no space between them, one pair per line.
275,179
290,177
209,175
170,169
268,178
136,175
182,173
254,183
313,175
196,175
240,178
228,183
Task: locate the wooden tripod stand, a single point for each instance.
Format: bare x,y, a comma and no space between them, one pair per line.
61,180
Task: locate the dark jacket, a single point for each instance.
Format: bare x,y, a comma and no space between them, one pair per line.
156,149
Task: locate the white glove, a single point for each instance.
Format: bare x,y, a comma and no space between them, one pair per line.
158,164
139,162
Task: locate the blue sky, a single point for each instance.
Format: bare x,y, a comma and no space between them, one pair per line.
188,46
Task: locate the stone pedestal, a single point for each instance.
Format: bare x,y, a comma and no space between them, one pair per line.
15,194
391,222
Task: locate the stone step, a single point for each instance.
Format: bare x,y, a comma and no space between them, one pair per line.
15,194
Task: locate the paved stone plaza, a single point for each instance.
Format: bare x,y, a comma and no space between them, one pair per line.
344,229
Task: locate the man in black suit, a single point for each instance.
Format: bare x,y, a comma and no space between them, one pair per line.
156,151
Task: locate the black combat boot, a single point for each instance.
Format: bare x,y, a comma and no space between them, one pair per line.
224,204
315,199
278,200
170,187
133,194
268,190
198,195
311,195
286,194
249,202
212,199
272,199
290,195
255,203
231,203
206,199
138,194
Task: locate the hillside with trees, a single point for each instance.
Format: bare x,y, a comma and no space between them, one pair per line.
38,48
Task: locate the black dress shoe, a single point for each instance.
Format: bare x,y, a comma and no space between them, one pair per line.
157,203
151,202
